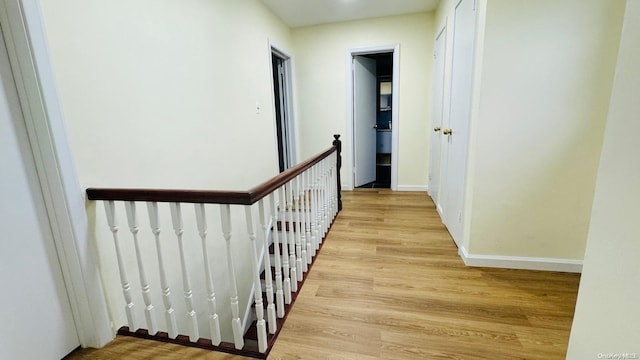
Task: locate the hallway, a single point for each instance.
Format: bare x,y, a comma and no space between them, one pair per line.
389,284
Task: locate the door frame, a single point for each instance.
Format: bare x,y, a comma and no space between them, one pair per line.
276,49
23,30
349,146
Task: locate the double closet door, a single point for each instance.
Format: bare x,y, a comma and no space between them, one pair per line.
452,93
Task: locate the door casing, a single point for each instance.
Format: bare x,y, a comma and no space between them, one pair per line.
23,29
289,107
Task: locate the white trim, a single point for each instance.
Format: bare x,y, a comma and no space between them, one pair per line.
520,262
63,195
347,188
424,188
347,148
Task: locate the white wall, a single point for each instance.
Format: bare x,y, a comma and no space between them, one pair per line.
546,73
152,88
607,311
163,94
322,86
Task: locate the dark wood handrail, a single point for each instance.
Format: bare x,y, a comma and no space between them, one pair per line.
248,197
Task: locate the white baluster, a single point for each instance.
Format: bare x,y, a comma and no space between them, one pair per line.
225,218
261,328
304,230
334,186
176,217
294,250
271,308
317,207
320,202
294,196
325,202
129,307
170,317
301,242
214,321
307,215
276,252
286,266
149,310
296,271
325,199
303,224
329,177
312,212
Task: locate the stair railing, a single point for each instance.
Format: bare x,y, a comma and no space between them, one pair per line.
304,199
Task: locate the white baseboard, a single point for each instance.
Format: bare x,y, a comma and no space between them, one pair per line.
413,188
400,188
520,262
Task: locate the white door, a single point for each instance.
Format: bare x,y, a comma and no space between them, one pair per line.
436,133
364,118
34,307
459,116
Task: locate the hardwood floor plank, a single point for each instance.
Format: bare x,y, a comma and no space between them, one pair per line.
389,284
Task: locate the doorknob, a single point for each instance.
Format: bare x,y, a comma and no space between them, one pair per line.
436,129
447,132
375,126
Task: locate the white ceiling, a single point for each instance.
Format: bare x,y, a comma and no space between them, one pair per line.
296,13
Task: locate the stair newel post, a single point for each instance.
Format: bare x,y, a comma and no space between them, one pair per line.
276,255
286,270
336,190
301,244
176,217
129,307
268,282
170,317
149,310
331,188
214,321
261,326
296,270
338,144
225,218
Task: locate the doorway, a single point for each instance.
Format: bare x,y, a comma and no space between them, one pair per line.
373,94
283,110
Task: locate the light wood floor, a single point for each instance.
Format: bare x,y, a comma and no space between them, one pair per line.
389,284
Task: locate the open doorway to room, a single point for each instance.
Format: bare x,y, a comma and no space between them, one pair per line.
374,100
281,67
